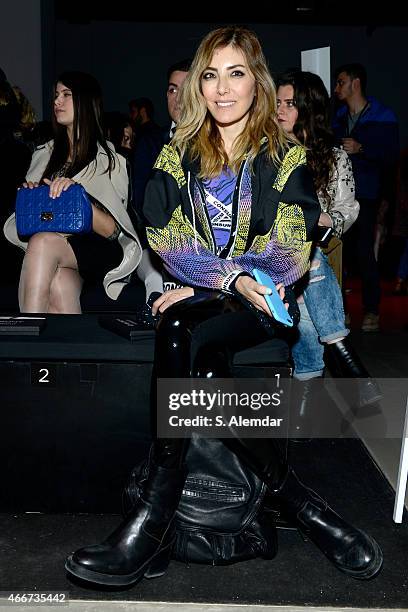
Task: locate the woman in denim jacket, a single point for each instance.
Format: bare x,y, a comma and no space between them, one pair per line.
303,112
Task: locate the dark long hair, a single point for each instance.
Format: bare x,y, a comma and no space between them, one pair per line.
87,129
312,127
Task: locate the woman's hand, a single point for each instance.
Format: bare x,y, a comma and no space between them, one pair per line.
168,298
58,185
29,185
254,292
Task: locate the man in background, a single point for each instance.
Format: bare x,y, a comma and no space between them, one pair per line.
368,132
149,137
176,75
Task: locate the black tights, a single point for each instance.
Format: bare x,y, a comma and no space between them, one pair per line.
198,337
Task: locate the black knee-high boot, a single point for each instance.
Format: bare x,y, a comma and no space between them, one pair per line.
141,546
343,361
350,549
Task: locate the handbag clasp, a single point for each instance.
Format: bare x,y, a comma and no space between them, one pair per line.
47,216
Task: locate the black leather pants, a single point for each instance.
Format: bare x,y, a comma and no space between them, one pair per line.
198,338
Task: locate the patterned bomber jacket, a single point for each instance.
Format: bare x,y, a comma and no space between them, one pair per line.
274,211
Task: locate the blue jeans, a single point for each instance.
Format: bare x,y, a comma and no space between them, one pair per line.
321,318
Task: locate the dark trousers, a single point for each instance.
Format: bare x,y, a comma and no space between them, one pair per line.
198,337
359,242
207,324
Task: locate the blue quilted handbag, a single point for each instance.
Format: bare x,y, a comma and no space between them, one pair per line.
70,213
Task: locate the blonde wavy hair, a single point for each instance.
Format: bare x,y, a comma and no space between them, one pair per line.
197,131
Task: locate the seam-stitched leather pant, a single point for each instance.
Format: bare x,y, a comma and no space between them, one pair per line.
198,337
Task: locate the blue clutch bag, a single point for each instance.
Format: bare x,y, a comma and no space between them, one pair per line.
71,213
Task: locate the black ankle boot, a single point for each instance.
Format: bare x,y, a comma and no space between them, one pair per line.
344,362
141,546
351,550
304,399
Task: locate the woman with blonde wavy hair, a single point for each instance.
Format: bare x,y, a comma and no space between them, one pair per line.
229,194
198,128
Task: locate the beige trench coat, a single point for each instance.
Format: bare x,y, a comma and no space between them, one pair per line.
112,192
